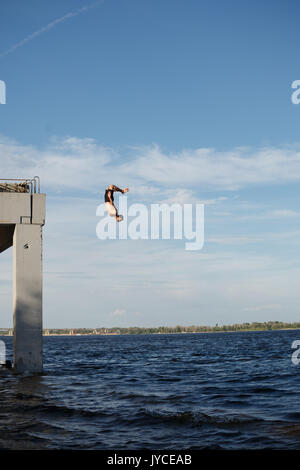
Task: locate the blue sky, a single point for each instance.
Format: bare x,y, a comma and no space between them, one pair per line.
182,101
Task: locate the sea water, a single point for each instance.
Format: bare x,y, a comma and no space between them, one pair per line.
179,391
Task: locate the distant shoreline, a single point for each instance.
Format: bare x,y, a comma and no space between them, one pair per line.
175,333
161,334
179,329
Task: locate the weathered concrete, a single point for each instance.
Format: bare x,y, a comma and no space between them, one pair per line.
38,209
18,208
28,298
15,208
22,216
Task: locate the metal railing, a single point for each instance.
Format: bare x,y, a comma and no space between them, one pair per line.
19,185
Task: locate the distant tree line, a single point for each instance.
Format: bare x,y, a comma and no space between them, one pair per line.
254,326
134,330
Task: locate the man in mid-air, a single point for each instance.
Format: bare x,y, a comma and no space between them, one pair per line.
109,201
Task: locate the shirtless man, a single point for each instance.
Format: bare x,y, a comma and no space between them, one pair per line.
109,201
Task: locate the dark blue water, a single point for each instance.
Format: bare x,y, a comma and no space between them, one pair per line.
188,391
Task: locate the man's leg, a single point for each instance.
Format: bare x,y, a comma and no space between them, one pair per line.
113,212
111,209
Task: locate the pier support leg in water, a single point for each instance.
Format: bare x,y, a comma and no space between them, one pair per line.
27,278
22,217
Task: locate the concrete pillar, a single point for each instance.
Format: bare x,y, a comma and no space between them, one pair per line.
27,278
22,216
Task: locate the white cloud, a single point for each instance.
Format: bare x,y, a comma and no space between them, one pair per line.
206,168
118,313
260,308
179,196
282,213
188,196
158,279
83,164
273,214
234,240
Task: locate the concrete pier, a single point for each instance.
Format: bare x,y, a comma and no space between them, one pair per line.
22,216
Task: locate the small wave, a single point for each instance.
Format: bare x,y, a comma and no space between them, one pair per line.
69,411
58,411
289,430
294,416
201,418
264,390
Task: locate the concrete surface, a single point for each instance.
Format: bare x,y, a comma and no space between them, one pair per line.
22,216
27,275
